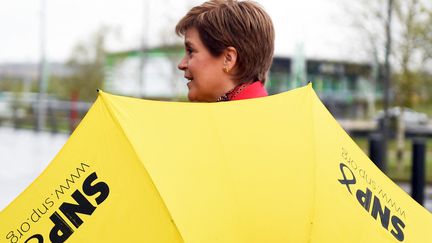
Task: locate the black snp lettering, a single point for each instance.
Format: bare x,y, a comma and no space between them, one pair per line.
81,206
37,238
69,216
345,181
372,204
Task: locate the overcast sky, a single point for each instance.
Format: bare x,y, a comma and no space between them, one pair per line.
320,25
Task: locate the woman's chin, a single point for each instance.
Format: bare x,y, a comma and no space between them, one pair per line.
194,94
191,96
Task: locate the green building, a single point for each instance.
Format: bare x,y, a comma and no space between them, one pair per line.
341,85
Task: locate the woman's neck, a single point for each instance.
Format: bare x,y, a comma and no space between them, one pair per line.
234,91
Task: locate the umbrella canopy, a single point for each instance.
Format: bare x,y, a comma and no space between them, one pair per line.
274,169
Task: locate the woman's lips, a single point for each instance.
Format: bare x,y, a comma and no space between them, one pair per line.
190,81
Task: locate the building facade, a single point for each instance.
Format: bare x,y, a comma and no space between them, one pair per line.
341,85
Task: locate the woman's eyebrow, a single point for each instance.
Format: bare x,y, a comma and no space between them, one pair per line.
188,44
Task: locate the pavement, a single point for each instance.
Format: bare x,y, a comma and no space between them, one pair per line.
24,154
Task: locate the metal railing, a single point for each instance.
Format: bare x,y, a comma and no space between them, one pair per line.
418,162
60,116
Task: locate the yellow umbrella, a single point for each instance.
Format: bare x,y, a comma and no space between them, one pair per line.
274,169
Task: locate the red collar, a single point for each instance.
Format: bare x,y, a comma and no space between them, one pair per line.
245,91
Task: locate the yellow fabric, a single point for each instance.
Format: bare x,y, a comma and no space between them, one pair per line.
274,169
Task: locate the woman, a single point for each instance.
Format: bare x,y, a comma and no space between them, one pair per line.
229,49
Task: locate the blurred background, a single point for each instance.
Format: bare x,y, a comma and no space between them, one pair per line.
370,61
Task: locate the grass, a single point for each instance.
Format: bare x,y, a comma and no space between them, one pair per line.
402,173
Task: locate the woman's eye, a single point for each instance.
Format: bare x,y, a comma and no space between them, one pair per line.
189,51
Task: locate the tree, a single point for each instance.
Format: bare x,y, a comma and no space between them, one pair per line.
411,50
412,46
87,69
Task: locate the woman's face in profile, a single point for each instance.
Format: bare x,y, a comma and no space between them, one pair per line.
204,71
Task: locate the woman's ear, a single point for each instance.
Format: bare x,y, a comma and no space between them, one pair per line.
230,58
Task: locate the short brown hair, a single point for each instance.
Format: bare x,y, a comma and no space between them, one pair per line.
243,25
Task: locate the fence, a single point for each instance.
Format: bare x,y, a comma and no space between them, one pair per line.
418,168
21,112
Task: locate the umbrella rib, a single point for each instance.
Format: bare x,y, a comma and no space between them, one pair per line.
108,104
311,100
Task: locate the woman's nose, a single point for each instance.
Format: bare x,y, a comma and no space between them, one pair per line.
182,64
